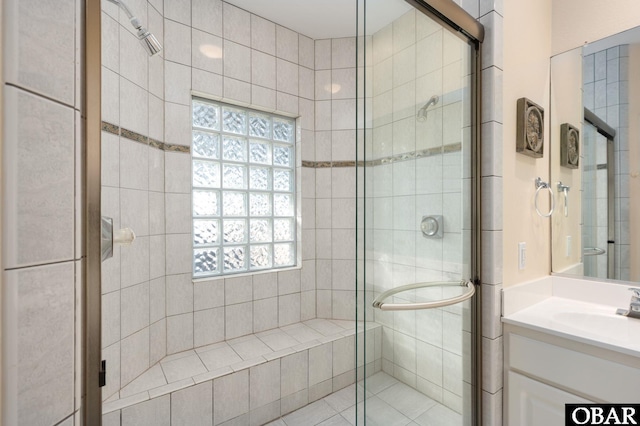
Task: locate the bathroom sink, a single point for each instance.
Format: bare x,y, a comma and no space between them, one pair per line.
592,323
615,327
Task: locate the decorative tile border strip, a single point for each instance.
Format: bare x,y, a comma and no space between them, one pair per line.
429,152
111,128
137,137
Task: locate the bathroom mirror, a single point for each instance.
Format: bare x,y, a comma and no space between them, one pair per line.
595,92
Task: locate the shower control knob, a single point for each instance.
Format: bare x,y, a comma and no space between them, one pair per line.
431,226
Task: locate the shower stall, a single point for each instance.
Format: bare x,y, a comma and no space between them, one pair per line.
303,189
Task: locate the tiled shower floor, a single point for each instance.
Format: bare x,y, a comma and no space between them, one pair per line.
389,403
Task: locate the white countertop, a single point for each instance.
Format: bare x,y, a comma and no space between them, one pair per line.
584,321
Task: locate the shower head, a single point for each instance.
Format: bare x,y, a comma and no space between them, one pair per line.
422,112
149,42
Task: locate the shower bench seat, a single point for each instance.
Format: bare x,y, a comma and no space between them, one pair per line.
276,371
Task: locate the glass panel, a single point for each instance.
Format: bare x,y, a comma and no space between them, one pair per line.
260,178
282,205
206,145
205,203
416,89
206,174
283,130
282,180
283,254
234,203
260,257
259,152
206,232
235,177
234,259
234,120
260,231
283,230
235,231
260,126
206,115
594,195
205,261
282,156
259,204
234,149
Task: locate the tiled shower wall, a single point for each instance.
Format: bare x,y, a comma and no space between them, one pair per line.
147,188
606,88
335,176
133,195
43,254
417,172
490,13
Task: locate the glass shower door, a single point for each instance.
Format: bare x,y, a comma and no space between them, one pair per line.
416,269
597,203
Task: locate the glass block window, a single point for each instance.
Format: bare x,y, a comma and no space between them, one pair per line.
243,175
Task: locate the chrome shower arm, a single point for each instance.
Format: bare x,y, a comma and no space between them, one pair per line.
150,44
134,21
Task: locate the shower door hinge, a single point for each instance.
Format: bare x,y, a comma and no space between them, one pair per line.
102,374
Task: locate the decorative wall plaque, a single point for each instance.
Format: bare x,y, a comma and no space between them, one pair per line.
569,146
530,128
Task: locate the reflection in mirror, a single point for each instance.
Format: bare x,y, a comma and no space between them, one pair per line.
596,90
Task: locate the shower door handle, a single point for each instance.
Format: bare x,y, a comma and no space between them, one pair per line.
593,251
379,302
109,237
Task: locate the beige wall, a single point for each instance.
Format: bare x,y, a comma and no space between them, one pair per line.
634,161
576,22
527,49
566,107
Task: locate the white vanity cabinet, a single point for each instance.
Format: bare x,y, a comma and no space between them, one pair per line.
531,402
545,371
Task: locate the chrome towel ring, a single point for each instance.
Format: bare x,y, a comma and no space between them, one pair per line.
540,184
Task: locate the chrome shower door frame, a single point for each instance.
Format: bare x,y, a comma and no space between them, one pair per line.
91,300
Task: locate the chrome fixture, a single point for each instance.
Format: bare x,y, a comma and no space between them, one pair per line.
107,238
149,42
422,112
540,184
380,301
565,191
634,305
124,236
431,226
593,251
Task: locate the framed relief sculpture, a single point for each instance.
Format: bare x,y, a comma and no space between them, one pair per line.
569,146
530,128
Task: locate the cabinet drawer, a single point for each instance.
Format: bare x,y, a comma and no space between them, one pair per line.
584,374
532,403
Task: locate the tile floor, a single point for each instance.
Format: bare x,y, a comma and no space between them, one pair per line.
389,403
208,362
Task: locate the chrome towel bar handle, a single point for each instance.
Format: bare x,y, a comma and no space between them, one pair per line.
379,302
593,251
